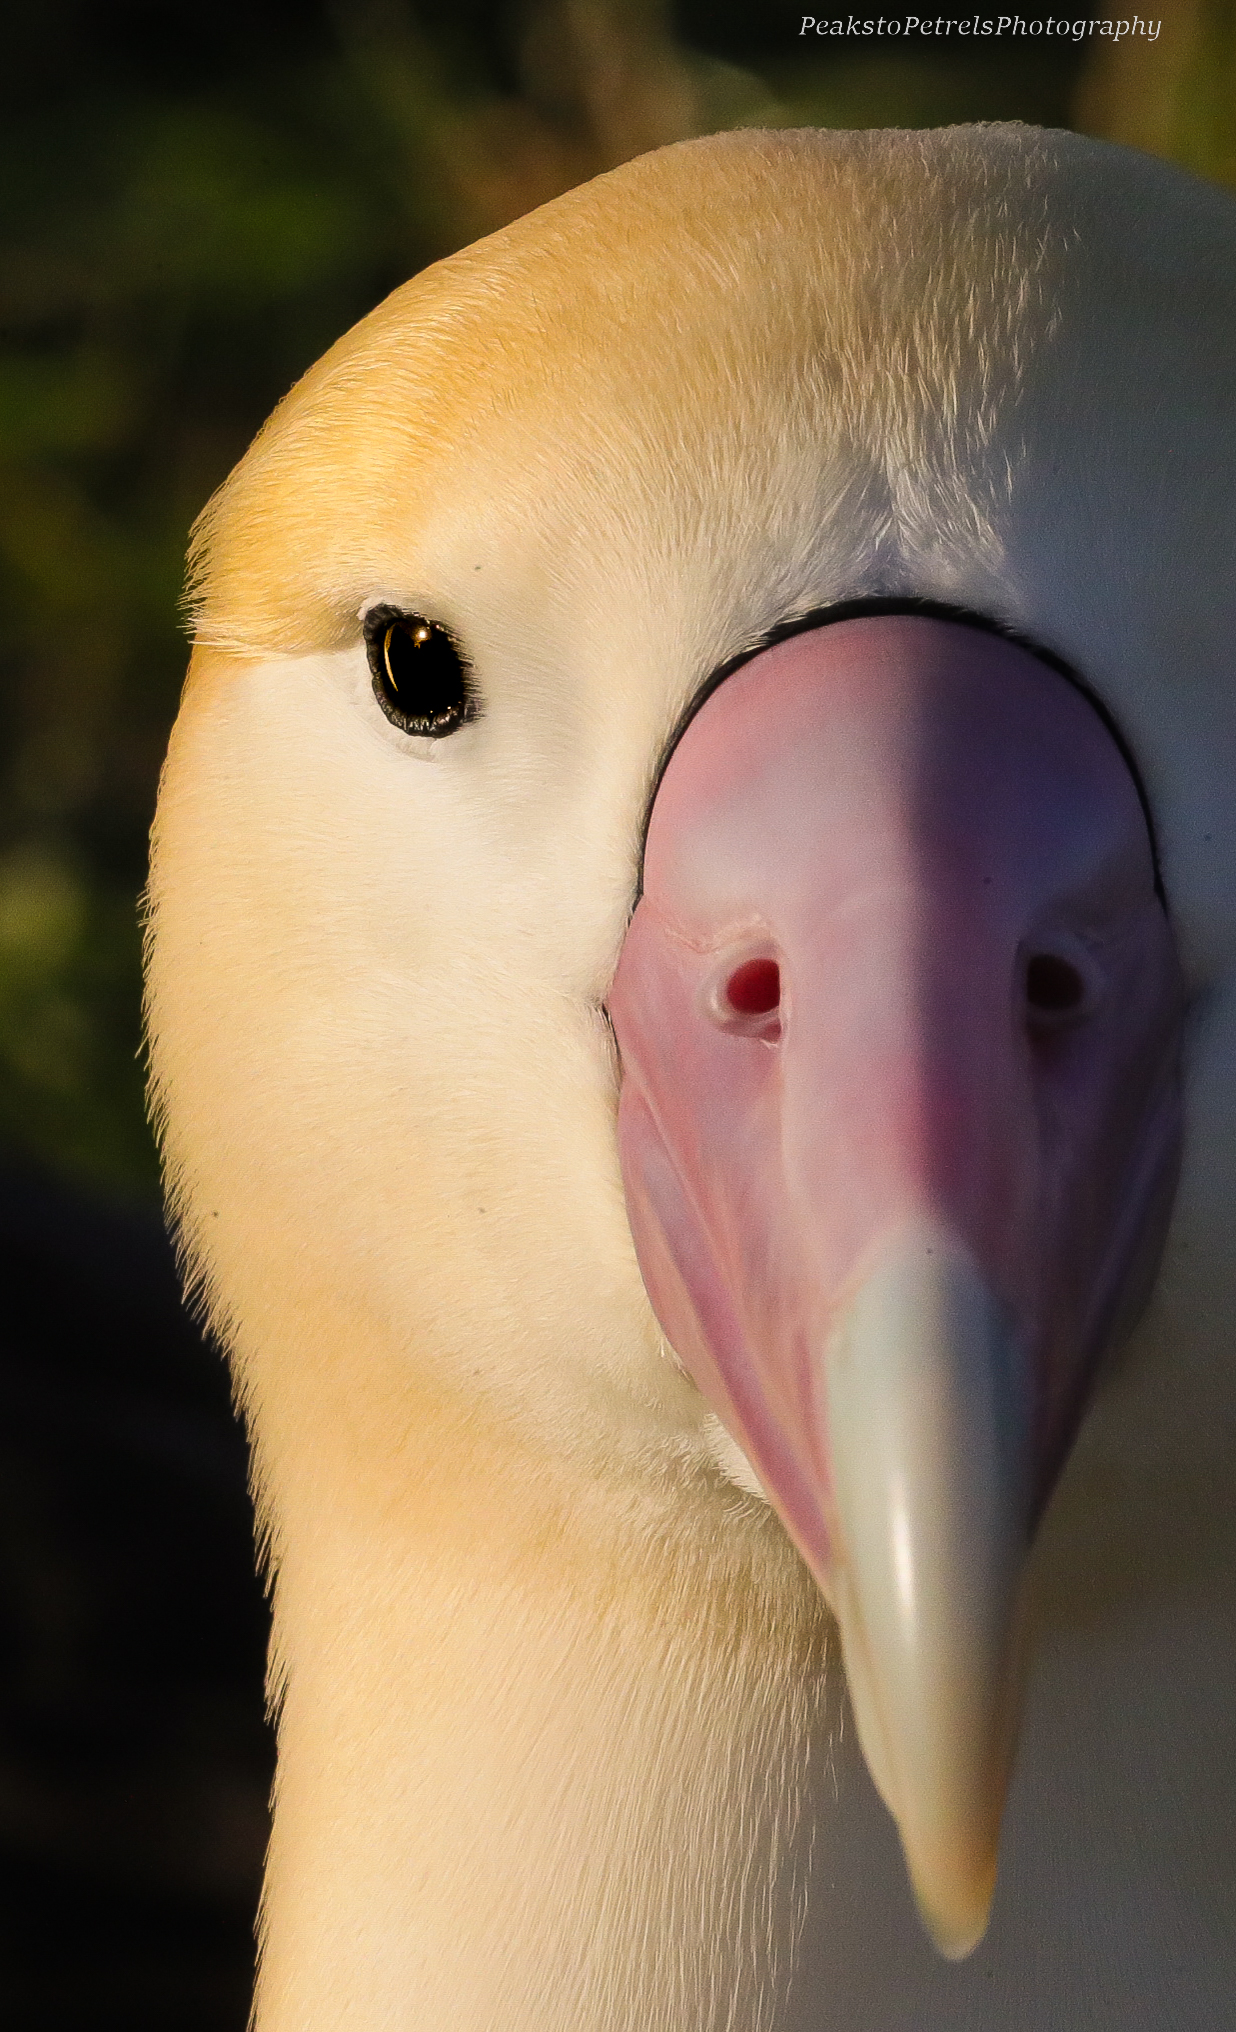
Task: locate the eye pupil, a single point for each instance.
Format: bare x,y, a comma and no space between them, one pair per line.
419,675
1053,985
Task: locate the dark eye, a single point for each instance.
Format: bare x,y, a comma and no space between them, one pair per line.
420,679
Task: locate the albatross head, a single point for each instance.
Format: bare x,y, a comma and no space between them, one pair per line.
762,609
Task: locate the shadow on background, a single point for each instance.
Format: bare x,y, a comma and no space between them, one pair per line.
194,202
134,1758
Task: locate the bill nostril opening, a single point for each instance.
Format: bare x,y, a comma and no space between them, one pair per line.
754,989
1054,987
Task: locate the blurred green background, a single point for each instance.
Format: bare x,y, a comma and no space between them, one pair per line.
195,201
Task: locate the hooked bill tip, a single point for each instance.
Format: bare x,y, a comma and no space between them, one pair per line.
929,1448
954,1905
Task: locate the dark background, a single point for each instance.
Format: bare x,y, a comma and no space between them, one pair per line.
194,201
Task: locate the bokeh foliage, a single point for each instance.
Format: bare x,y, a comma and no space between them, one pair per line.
193,204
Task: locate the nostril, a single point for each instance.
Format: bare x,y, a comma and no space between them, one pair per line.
754,989
1054,987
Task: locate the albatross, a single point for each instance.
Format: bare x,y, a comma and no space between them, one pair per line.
692,922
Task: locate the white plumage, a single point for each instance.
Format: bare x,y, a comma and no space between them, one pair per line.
560,1704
